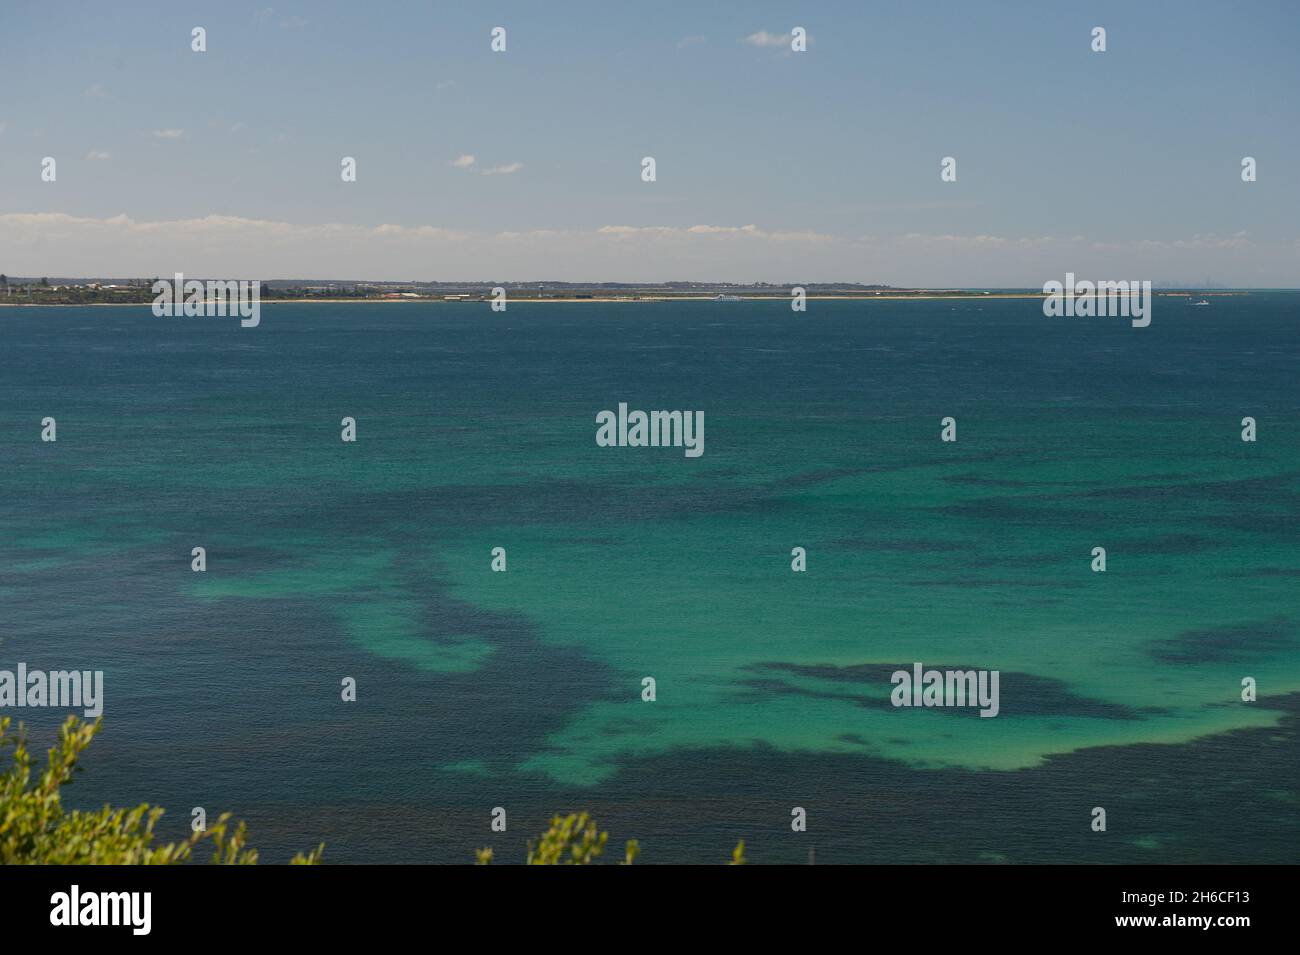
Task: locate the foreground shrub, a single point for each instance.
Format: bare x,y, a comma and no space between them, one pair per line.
576,840
35,829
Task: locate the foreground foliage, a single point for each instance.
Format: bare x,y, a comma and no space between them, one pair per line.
576,840
35,829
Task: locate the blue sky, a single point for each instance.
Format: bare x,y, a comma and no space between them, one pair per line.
771,165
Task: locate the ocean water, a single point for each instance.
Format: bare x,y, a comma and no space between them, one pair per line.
523,689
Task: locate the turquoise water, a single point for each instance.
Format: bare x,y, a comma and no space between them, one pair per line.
523,689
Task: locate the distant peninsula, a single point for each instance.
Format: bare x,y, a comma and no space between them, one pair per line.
139,291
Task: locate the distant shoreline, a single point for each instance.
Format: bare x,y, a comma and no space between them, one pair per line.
640,300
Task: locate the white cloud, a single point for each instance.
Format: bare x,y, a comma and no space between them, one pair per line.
445,85
764,39
168,133
686,41
96,92
743,231
60,244
469,160
967,240
57,243
98,155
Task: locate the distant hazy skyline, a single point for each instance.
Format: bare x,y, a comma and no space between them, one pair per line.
771,165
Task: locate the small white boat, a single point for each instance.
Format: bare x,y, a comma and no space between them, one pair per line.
726,298
1201,302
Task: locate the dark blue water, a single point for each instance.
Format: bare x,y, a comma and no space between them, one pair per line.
522,690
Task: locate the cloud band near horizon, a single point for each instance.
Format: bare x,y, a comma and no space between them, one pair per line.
233,246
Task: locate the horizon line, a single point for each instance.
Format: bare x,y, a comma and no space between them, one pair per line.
608,283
